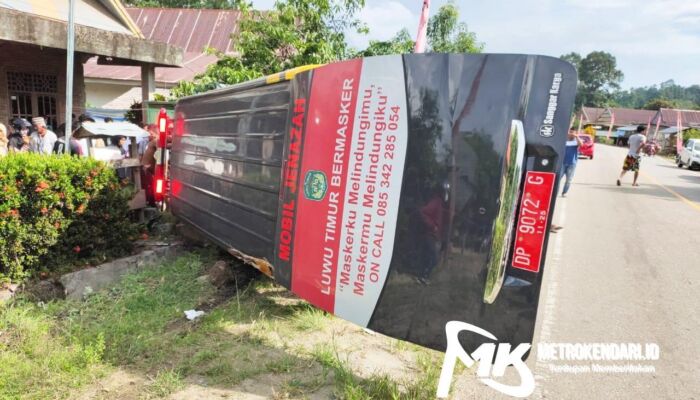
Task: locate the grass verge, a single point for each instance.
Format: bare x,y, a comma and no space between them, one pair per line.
64,349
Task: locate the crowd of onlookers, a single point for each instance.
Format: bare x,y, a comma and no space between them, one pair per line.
21,136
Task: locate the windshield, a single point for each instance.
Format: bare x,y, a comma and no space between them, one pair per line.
585,138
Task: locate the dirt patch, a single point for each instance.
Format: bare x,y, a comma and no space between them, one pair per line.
45,290
229,277
120,384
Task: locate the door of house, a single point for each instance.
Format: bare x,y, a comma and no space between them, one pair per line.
34,95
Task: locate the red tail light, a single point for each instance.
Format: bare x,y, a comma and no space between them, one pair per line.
162,128
160,182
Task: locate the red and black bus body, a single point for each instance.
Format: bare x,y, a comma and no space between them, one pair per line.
397,192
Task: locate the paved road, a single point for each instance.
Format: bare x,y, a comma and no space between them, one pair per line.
625,268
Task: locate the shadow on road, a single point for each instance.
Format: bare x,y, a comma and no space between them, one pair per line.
692,178
649,189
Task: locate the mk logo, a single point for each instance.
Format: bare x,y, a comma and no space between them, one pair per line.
485,354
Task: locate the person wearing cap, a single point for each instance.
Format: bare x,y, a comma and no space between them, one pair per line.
43,139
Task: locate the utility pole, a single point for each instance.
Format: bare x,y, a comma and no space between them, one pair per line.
70,50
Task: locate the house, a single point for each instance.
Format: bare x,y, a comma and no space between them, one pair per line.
668,120
33,46
668,117
194,30
617,116
625,121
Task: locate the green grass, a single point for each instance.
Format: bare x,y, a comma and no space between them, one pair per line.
379,386
34,365
55,351
309,318
165,383
48,351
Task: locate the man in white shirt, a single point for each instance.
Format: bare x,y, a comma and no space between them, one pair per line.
636,142
43,139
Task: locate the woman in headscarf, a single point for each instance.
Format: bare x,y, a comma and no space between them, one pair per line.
3,140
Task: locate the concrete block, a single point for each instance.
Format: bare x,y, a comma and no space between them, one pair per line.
80,284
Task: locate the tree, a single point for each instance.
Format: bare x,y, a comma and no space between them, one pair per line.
679,96
445,35
659,103
598,77
401,43
573,58
302,32
186,3
295,33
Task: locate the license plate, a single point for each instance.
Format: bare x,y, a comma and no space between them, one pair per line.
532,221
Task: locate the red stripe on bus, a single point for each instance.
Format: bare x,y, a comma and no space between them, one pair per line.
322,185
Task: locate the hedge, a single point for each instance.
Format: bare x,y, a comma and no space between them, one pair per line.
59,210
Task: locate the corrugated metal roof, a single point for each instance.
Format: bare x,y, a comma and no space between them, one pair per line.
193,64
669,117
630,116
623,116
92,13
591,114
192,29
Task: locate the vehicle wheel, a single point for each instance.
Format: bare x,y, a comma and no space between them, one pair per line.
591,156
680,163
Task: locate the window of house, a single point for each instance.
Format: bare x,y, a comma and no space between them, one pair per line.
34,95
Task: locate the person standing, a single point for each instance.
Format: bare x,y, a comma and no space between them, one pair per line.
3,140
19,140
43,140
152,130
60,146
148,166
570,159
633,158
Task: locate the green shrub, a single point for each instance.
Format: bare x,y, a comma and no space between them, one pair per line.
692,133
58,210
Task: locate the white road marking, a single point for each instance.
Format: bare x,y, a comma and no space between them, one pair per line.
550,301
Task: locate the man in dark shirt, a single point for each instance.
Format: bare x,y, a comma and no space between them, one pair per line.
19,139
60,146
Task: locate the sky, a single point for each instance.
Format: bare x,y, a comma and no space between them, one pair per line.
653,40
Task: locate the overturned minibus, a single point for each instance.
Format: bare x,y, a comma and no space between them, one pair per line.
397,192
